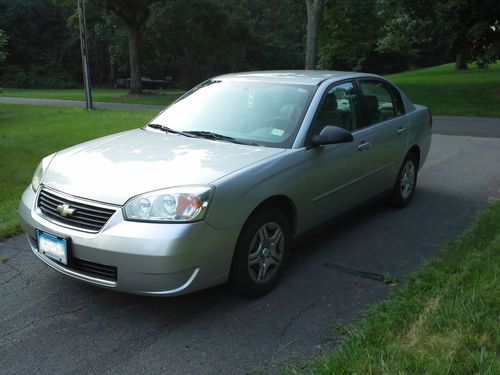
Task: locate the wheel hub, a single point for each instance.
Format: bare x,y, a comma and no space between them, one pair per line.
265,253
407,182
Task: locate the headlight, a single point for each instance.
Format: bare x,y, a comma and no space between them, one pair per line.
180,204
40,170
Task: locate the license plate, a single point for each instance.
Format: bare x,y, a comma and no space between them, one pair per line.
53,247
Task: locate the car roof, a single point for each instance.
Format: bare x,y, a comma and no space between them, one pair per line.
299,77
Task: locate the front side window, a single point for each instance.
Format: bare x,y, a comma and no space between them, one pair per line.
337,108
262,113
380,102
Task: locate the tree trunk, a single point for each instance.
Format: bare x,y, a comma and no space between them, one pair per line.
133,52
112,71
314,10
461,61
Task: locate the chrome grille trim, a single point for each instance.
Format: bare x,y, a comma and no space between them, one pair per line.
90,216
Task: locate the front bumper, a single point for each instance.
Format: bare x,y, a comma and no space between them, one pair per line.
150,258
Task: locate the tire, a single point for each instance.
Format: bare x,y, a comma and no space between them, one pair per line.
261,253
406,182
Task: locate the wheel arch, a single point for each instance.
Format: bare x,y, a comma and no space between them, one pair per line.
239,276
285,204
415,150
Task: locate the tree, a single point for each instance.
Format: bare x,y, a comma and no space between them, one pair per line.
463,29
276,42
470,26
3,45
408,31
349,34
43,51
314,10
134,13
206,38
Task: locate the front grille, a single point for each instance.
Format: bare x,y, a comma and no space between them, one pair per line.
86,217
100,271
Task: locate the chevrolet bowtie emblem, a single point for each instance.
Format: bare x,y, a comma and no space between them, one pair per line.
65,210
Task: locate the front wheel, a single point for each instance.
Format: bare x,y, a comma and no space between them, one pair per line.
406,182
261,253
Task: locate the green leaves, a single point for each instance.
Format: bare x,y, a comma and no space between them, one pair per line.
3,45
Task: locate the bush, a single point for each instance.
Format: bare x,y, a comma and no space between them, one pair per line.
17,77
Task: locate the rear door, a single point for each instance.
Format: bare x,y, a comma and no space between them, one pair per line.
383,113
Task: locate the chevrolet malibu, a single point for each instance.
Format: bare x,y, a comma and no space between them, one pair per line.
218,185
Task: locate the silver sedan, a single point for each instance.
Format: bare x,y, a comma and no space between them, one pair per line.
217,186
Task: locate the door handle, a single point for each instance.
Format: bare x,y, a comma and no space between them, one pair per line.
364,145
401,130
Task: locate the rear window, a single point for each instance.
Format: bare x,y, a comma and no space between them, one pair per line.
381,102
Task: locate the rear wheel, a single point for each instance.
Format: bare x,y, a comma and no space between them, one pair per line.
406,182
261,253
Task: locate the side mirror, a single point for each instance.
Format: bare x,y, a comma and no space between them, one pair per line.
331,135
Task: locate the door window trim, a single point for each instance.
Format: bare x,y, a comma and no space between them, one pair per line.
392,91
307,142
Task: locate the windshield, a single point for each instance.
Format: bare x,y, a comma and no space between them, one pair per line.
266,114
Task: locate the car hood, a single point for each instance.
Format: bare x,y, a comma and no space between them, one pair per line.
115,168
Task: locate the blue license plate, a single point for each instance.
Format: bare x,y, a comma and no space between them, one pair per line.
52,246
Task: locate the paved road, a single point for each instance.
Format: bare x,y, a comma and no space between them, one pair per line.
52,324
473,126
76,103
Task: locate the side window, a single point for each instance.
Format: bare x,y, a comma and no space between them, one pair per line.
380,102
337,108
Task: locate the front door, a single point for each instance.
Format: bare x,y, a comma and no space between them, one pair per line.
337,173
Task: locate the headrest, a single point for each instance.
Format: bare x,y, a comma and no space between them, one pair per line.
330,103
371,103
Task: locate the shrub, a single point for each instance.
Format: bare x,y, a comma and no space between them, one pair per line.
17,77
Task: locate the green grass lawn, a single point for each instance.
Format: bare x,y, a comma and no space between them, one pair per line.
28,133
98,95
445,319
447,91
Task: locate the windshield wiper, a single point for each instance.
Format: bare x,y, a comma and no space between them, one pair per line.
201,134
218,137
166,129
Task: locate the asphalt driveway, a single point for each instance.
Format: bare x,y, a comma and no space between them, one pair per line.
51,324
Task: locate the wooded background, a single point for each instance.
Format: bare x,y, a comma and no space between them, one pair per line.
191,40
